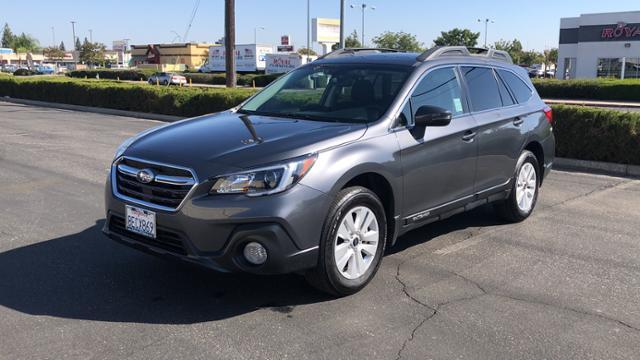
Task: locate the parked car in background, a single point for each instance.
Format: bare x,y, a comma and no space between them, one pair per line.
165,78
536,73
551,73
324,169
9,68
44,70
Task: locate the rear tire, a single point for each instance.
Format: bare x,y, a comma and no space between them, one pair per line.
352,244
524,192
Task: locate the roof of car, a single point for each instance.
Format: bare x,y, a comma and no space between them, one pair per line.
396,58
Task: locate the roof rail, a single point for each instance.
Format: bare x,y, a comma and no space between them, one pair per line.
353,51
441,51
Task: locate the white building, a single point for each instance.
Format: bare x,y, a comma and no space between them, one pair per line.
600,45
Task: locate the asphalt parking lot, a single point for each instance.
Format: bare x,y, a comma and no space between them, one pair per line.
563,285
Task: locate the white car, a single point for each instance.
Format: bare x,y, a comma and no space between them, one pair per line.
164,78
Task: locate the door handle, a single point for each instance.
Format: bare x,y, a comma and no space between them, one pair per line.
518,121
469,136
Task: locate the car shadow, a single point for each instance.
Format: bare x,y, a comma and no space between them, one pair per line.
87,276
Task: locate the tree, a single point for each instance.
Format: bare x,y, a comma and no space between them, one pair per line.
351,41
457,37
53,53
77,45
92,53
61,47
7,36
514,48
531,57
398,41
305,51
551,57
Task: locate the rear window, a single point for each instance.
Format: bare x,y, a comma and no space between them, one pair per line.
520,90
483,88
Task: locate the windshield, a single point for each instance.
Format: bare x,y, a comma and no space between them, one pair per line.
342,93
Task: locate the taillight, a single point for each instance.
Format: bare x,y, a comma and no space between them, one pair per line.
548,112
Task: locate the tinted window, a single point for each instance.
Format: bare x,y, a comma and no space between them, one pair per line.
483,88
439,88
519,89
507,100
342,93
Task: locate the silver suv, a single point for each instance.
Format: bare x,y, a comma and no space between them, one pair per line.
324,169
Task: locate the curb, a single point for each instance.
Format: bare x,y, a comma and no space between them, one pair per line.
105,111
593,103
597,167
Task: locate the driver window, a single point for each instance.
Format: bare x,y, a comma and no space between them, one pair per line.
439,88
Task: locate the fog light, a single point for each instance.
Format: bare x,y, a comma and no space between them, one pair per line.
255,253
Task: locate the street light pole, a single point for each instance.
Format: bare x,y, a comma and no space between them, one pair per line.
73,28
486,29
364,7
342,44
53,35
90,35
230,41
308,30
255,33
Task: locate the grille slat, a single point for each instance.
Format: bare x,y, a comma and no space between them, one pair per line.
157,193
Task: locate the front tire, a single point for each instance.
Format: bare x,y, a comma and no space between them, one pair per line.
524,192
352,244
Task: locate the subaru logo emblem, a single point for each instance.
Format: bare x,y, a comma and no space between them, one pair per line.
145,176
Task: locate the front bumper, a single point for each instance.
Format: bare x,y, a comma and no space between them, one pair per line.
211,231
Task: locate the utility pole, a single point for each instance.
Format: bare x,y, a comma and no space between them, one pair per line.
73,28
230,41
342,44
53,35
90,35
364,7
486,29
255,33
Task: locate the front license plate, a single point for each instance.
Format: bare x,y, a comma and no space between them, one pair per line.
141,221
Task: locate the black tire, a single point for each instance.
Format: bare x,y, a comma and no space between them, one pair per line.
508,209
326,276
165,82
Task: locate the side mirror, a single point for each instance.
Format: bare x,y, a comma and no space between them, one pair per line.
432,116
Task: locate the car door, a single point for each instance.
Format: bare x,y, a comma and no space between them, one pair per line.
496,116
439,163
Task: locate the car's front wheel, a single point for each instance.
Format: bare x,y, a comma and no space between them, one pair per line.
352,244
524,192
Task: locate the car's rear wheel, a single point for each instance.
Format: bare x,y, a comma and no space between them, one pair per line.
352,244
524,192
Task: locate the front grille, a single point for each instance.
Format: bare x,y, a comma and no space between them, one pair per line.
167,189
165,239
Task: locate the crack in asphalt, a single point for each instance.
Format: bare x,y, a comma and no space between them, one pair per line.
434,310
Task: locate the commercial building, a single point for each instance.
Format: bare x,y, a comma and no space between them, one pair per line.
600,45
189,55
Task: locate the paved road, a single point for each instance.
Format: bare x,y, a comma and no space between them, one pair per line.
563,285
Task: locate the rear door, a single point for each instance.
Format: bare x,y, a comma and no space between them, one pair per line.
499,134
440,163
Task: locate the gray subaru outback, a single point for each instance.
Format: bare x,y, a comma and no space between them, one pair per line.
324,169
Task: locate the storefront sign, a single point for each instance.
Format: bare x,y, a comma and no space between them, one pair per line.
622,30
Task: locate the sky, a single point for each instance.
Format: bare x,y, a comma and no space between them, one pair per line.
535,23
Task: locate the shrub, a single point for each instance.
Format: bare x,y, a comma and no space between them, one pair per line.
125,96
597,134
600,89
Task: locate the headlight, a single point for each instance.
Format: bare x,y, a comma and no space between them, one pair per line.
264,181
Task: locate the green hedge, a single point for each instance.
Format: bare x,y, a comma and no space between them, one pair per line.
124,96
597,134
261,80
600,89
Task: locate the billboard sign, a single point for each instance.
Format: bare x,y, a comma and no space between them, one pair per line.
285,48
326,30
248,57
282,63
285,40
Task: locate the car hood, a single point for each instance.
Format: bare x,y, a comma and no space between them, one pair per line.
229,141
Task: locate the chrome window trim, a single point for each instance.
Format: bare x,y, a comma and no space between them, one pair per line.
118,195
